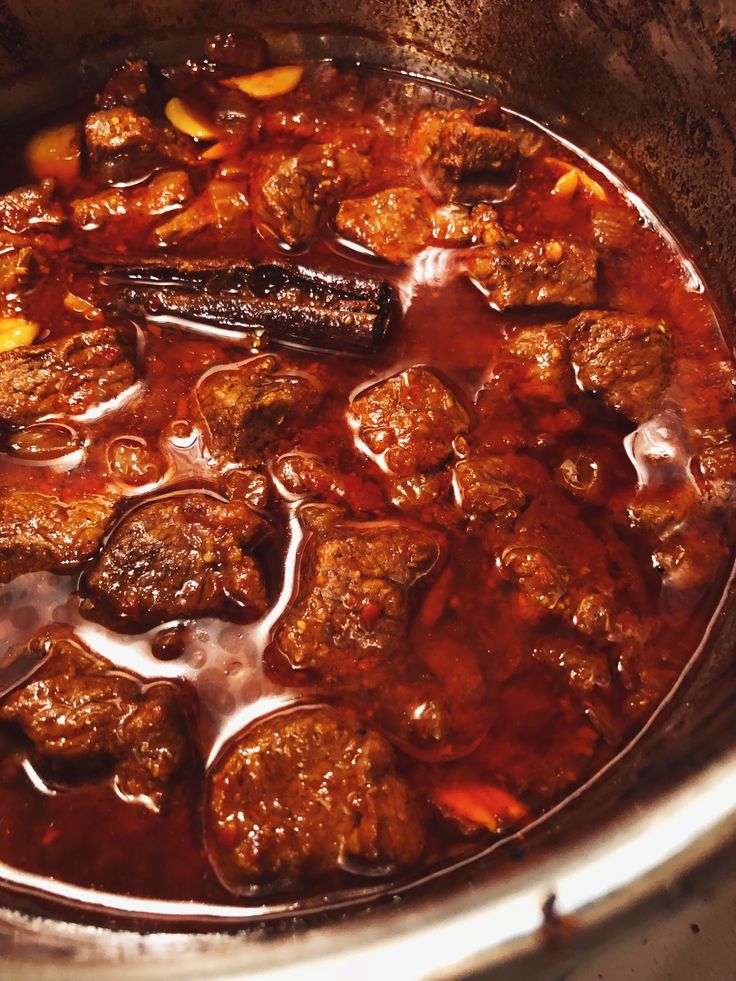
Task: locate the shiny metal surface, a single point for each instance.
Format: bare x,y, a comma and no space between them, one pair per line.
654,78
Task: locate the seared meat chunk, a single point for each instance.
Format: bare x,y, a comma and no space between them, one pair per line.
557,565
294,194
247,51
109,131
536,273
305,791
399,222
82,717
453,148
70,375
410,420
529,397
15,266
453,224
128,85
31,208
162,193
540,363
586,669
39,533
624,358
490,485
181,556
248,409
352,606
395,223
221,207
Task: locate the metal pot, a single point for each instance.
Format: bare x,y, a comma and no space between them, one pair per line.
648,81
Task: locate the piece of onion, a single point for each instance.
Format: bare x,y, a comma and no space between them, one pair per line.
269,83
189,120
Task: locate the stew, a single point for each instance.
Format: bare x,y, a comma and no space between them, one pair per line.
366,472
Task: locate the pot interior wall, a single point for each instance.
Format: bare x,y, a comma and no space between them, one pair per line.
648,76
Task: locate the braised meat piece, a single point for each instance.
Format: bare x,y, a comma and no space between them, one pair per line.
161,194
409,420
305,792
490,486
128,85
452,148
247,51
624,358
31,208
556,563
70,375
586,669
250,408
40,533
293,195
539,359
395,223
529,397
108,131
351,609
181,556
84,718
221,208
555,271
454,224
15,267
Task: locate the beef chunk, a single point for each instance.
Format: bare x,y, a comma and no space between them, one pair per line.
304,792
294,194
586,669
452,149
536,274
542,369
409,420
624,358
70,375
124,146
352,606
15,266
246,51
299,475
162,193
109,131
395,223
490,485
39,533
221,207
557,565
453,224
180,556
30,208
399,222
248,409
529,397
82,717
420,490
128,85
